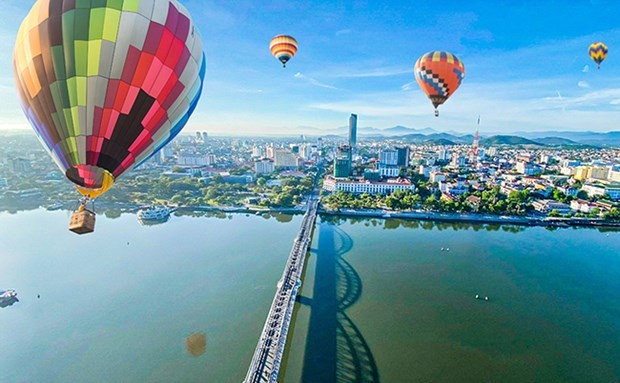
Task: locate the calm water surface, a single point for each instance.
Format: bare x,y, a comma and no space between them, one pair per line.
380,301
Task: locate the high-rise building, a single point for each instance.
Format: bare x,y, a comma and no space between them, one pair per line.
263,166
352,130
403,156
343,161
388,163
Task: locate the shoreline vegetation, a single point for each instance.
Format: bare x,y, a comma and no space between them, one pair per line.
114,210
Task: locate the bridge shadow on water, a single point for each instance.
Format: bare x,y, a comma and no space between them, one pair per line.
336,350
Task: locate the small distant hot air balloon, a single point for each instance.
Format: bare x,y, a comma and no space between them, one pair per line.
196,343
598,52
283,47
105,85
439,74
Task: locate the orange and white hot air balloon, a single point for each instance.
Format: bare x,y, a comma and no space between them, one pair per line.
283,47
439,74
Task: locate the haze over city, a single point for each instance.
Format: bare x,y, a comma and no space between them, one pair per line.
533,73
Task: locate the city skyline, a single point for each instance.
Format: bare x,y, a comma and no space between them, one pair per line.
527,75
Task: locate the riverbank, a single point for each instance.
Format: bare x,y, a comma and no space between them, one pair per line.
473,218
369,213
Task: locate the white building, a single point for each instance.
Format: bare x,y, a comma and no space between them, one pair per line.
389,170
263,166
611,191
528,168
545,206
443,155
257,152
284,158
332,184
191,159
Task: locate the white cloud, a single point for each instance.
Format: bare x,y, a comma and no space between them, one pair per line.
583,84
343,32
586,69
313,81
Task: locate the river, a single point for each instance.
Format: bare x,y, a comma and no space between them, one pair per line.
381,301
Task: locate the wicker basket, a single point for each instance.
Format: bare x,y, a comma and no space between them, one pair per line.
82,221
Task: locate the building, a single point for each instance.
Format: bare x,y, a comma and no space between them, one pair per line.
21,165
284,158
342,167
388,163
187,158
437,177
458,161
443,155
546,206
352,130
343,162
598,173
611,191
257,152
3,183
614,175
372,175
238,179
582,205
264,166
528,168
581,173
403,156
332,184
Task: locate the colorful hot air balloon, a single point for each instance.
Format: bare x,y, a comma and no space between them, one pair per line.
283,47
439,74
598,52
106,84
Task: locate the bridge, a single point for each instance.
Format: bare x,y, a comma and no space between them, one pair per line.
267,357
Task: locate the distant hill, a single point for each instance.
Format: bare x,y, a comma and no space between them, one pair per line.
556,141
508,140
440,141
588,138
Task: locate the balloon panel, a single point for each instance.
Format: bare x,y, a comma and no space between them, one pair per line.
439,74
107,83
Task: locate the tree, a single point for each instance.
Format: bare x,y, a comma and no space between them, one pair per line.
554,213
613,214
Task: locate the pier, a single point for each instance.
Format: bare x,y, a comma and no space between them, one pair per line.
265,363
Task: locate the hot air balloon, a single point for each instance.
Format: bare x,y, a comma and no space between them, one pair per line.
283,47
106,84
439,74
598,52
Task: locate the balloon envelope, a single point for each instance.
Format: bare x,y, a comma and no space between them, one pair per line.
283,47
598,52
196,343
105,84
439,74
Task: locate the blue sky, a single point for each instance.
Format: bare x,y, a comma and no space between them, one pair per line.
527,66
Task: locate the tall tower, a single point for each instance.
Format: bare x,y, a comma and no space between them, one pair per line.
476,144
352,130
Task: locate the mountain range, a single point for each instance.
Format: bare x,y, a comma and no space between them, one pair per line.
540,138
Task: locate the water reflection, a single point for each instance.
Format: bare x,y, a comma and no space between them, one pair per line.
396,223
336,350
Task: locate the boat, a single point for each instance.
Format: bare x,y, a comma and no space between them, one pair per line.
55,206
7,298
154,214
